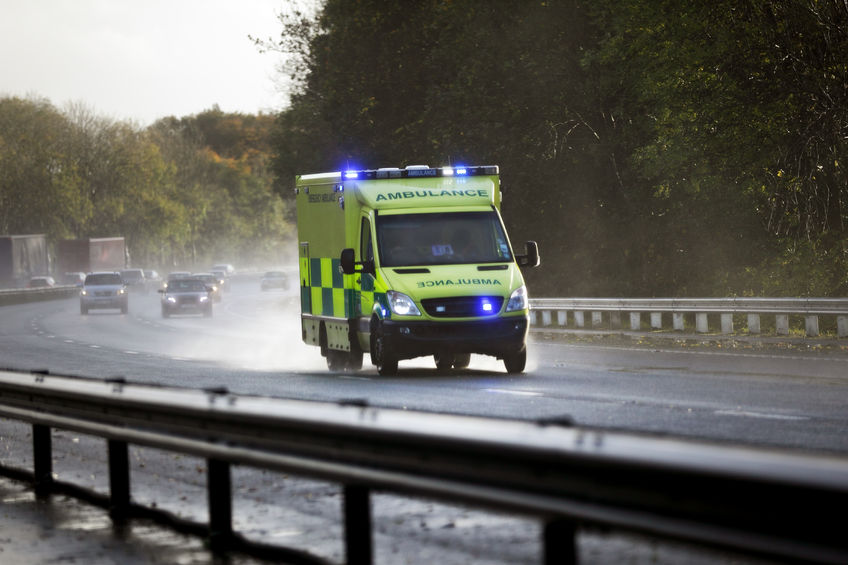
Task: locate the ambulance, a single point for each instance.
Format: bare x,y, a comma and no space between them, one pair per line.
408,262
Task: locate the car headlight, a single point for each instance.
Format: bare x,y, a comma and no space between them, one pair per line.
122,291
171,300
517,300
401,304
204,298
83,292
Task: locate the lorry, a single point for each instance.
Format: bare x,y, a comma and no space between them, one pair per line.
410,262
21,258
91,254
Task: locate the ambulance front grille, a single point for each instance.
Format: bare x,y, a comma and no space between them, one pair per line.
463,306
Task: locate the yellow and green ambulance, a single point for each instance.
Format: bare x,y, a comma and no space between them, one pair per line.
408,262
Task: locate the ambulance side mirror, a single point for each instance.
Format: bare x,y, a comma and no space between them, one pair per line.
348,261
531,256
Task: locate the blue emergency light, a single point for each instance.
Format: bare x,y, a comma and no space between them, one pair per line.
419,172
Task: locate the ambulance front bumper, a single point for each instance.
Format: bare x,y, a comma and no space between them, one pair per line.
498,336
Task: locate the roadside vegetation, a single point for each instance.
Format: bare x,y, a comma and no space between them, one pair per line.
183,192
652,148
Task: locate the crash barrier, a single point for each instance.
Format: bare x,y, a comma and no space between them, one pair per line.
765,502
24,295
606,313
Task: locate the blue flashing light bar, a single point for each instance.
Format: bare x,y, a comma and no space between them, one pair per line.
420,172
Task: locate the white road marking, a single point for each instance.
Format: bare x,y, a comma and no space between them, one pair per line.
514,392
762,415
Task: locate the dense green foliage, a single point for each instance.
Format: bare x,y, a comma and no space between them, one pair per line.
183,192
664,147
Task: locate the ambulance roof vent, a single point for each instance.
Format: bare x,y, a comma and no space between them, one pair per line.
408,167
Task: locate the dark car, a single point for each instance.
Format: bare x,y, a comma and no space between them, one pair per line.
103,290
274,279
186,296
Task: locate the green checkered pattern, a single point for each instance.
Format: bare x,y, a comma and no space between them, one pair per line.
326,295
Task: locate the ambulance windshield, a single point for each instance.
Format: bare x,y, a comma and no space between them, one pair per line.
445,238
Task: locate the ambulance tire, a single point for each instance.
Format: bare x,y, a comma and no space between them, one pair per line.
381,354
515,362
461,361
444,361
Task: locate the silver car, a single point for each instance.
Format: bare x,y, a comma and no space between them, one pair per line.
103,290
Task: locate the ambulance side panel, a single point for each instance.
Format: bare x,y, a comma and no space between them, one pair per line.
326,295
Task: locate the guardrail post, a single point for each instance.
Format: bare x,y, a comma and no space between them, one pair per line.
842,326
702,324
615,320
726,323
579,319
656,320
357,521
753,323
812,325
677,321
42,459
532,317
781,323
597,319
546,317
219,490
562,318
119,479
560,541
635,321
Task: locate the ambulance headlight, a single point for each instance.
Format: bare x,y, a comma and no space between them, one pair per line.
401,304
517,300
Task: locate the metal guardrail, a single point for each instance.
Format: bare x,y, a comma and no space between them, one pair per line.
765,502
679,308
24,295
607,312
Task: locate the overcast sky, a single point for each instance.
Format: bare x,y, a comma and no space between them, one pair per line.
141,60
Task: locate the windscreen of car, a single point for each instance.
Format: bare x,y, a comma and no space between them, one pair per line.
444,238
184,285
132,276
103,279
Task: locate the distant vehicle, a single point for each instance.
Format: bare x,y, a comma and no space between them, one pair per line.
41,282
73,279
153,279
223,279
186,296
92,254
212,282
134,280
104,290
21,257
274,279
226,267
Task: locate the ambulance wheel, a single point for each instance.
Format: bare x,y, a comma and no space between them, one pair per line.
461,361
444,361
381,354
515,362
